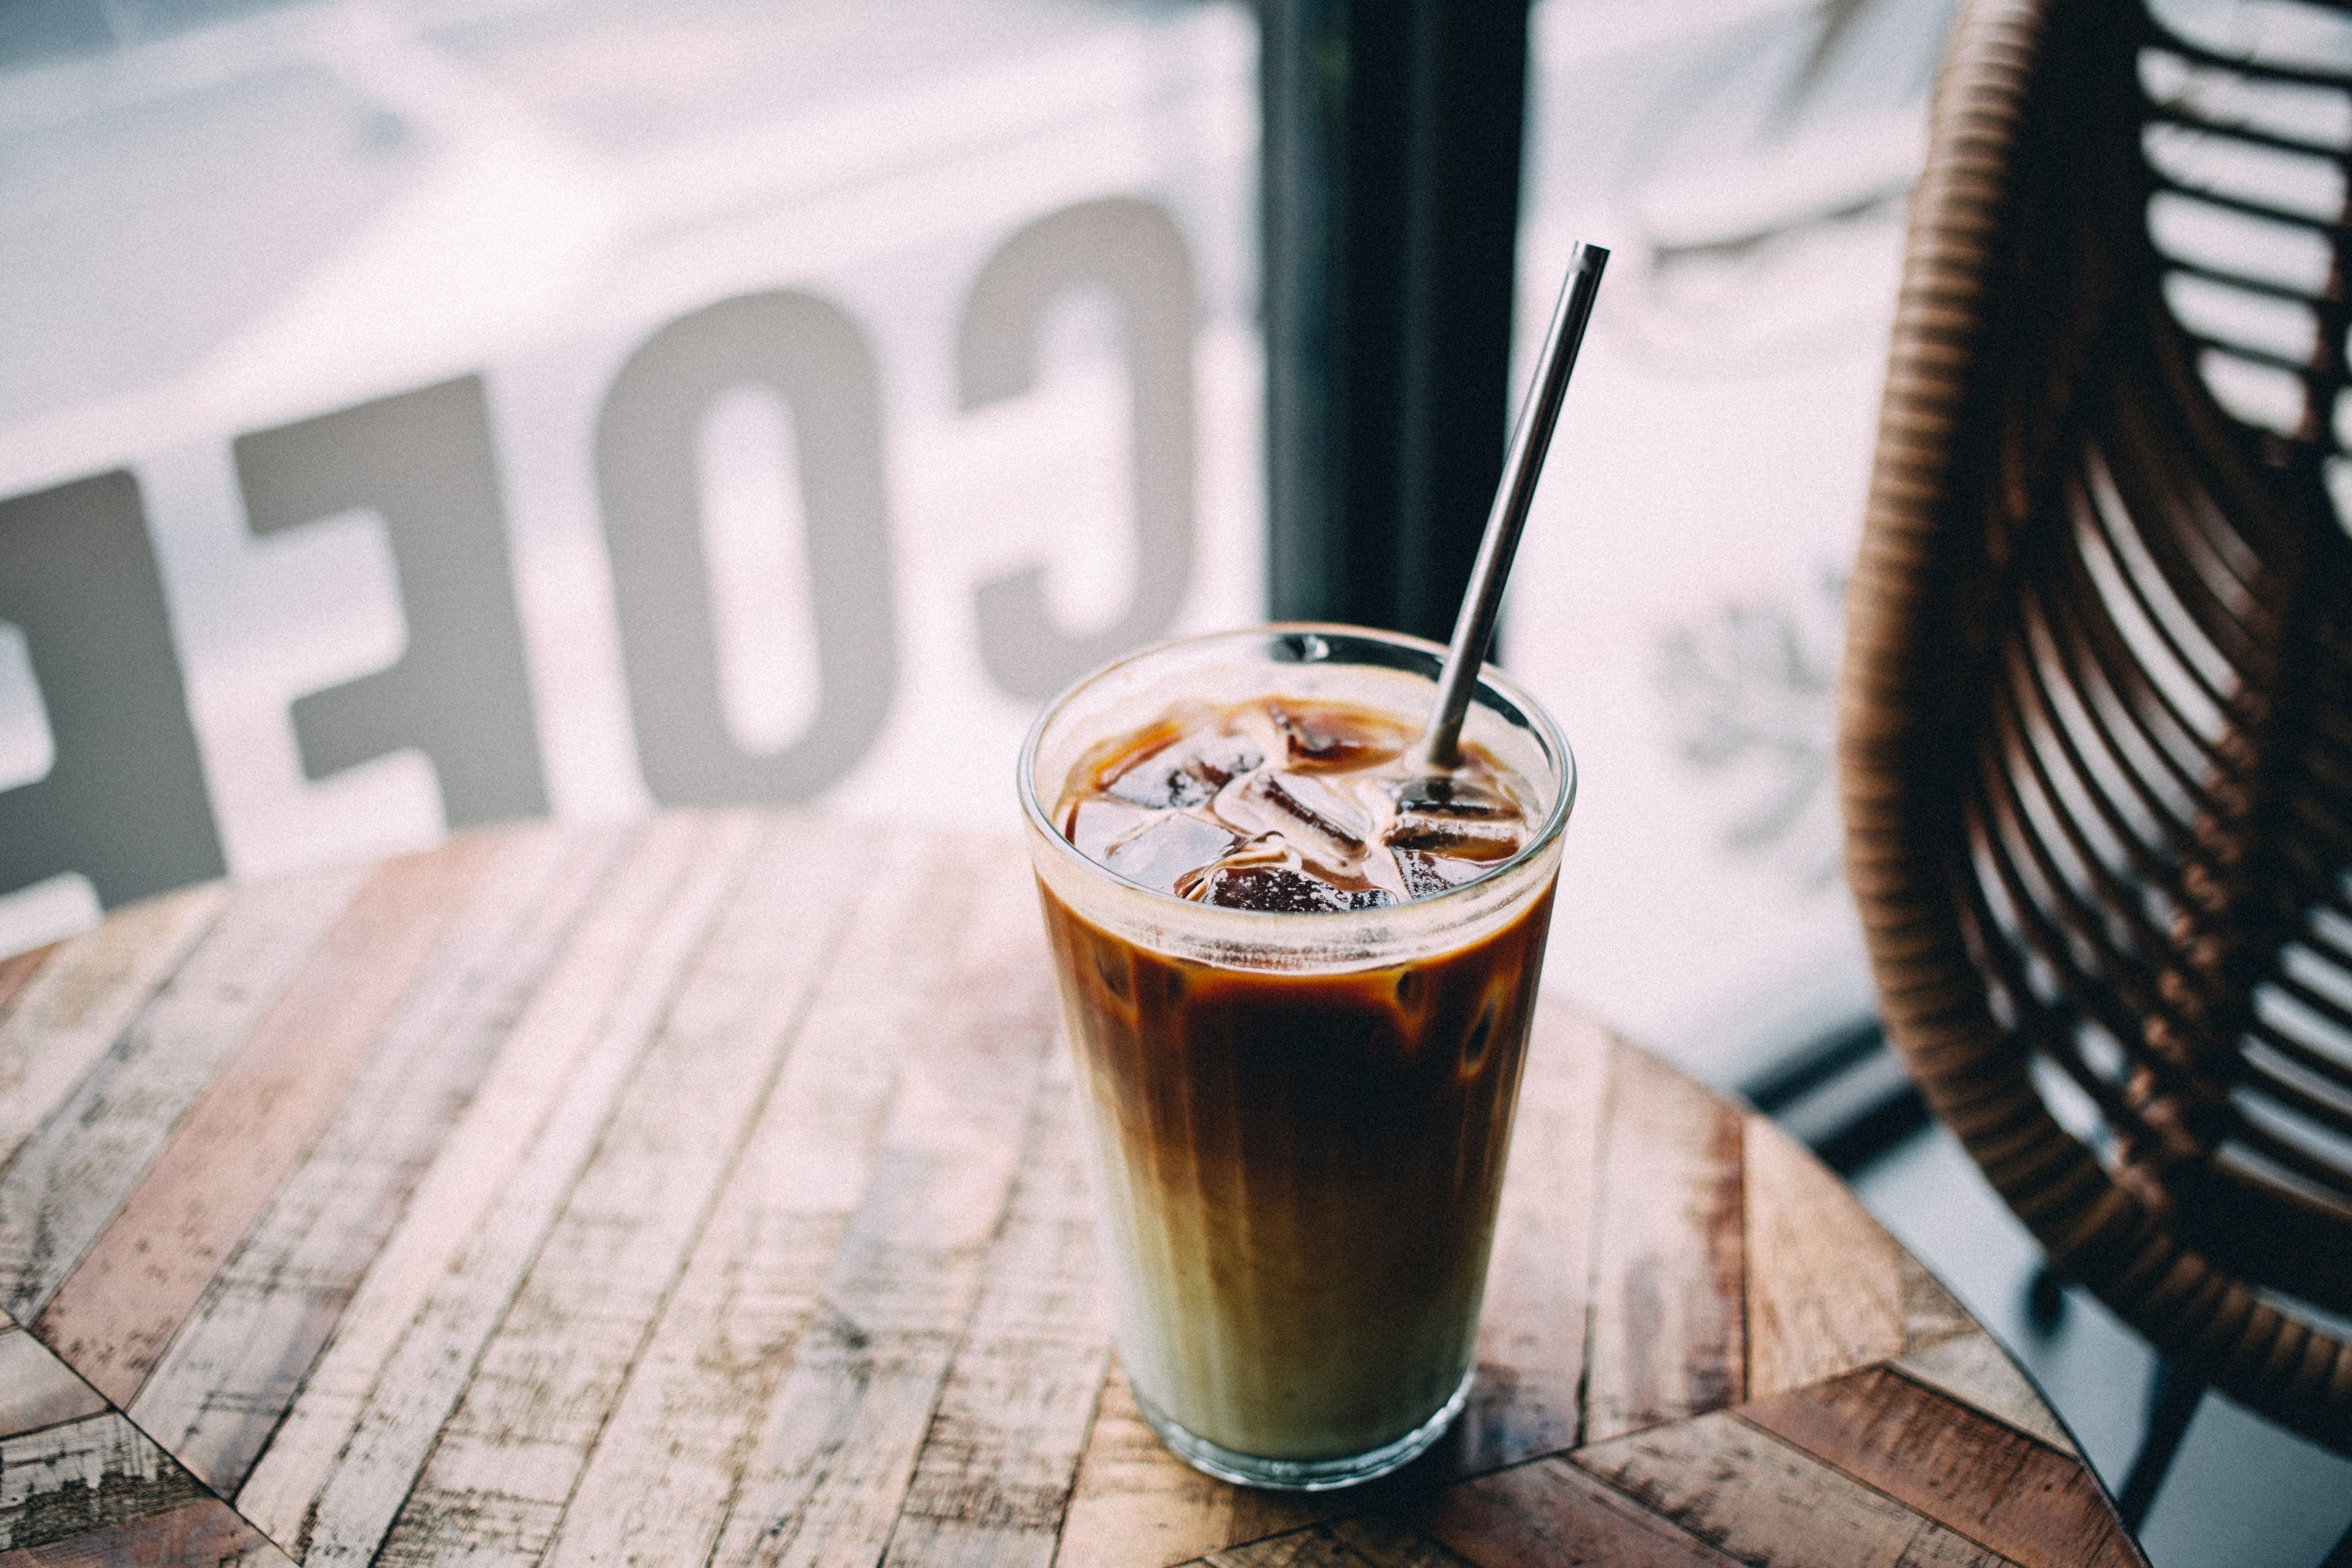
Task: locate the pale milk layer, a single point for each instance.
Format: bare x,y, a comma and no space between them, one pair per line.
1240,1333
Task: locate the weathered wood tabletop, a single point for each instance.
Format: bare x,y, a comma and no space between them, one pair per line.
705,1191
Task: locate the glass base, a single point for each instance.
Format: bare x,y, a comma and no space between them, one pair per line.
1305,1475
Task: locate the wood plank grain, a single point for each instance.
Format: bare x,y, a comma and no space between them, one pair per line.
37,1389
85,995
205,1534
993,1477
1389,1543
837,1452
509,1457
71,1175
81,1476
230,1372
16,972
1977,1372
81,1485
1930,1313
1532,1330
327,1484
1314,1548
114,1314
1136,1503
1824,1280
1551,1512
1668,1318
1366,1541
1998,1488
1769,1503
657,1484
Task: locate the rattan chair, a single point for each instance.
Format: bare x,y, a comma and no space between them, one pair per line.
2096,725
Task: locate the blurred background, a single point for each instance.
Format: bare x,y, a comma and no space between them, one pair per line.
495,408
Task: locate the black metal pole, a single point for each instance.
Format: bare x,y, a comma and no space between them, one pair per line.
1390,194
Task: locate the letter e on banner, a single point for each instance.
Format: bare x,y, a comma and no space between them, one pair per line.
122,801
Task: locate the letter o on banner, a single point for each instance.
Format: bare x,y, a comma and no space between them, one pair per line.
1133,251
814,359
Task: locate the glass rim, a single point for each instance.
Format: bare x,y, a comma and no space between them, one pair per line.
1515,703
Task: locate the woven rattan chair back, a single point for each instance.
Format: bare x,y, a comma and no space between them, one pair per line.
2095,727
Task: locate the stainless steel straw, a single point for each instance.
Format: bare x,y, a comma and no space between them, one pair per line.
1474,626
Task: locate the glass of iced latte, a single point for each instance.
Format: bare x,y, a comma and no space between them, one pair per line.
1297,970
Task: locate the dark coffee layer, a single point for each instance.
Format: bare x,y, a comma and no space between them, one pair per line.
1304,1169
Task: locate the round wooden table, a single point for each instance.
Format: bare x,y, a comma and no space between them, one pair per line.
707,1190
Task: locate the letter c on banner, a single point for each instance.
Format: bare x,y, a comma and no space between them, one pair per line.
1132,250
815,360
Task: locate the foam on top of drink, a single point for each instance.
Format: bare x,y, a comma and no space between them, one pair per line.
1290,805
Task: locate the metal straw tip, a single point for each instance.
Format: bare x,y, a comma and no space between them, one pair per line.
1474,626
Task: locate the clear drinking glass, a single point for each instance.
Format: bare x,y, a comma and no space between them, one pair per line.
1298,1121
